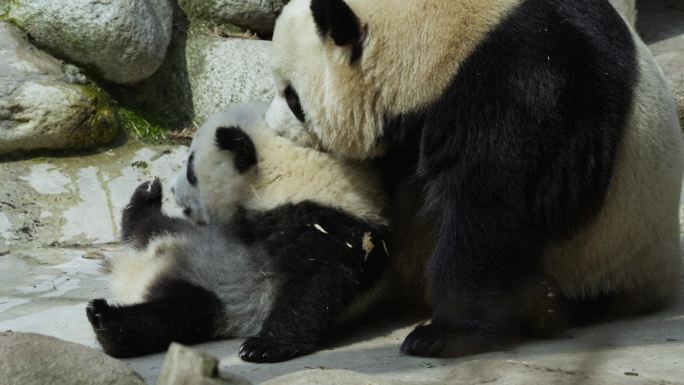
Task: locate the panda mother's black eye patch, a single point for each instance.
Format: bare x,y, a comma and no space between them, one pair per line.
293,102
190,173
234,139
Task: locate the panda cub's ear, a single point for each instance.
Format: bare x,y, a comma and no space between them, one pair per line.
234,139
336,19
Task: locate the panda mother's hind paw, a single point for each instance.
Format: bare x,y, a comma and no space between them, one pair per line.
269,350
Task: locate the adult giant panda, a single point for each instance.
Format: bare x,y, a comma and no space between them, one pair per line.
537,139
292,244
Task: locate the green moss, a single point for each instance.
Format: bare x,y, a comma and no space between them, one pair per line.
143,125
140,164
104,124
6,14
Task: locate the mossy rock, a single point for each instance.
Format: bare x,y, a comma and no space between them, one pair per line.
40,109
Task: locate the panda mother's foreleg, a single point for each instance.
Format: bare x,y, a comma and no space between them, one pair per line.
483,256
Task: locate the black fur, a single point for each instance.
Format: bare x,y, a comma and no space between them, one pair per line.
190,170
518,152
323,275
237,141
293,102
175,310
334,17
143,219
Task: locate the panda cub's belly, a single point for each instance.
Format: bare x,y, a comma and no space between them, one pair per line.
240,275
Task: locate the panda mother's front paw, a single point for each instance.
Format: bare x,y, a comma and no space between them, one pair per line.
450,341
147,194
268,349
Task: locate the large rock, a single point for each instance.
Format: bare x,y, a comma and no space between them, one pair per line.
223,71
627,8
123,41
34,359
184,365
257,15
41,108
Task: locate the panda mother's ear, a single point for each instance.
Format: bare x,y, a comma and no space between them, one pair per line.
334,18
235,140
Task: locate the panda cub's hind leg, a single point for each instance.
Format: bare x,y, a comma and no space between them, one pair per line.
143,218
176,310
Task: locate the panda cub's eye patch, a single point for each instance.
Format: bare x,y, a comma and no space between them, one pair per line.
190,173
292,100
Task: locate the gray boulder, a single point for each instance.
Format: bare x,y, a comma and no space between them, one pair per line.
123,41
42,104
34,359
256,15
223,71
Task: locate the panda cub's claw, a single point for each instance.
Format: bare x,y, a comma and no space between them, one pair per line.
268,350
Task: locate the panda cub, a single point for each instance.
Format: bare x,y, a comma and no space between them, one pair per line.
292,238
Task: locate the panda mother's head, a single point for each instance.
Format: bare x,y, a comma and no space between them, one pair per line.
323,100
344,67
220,166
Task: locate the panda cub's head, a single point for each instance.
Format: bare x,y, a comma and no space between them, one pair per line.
236,160
220,164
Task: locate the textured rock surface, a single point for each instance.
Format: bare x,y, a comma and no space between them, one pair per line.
257,15
627,8
184,365
121,40
661,24
40,109
478,372
223,71
34,359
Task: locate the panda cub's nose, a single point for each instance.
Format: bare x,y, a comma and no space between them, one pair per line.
187,211
173,190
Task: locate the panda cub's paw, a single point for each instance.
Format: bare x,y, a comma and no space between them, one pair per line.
98,313
148,194
108,330
267,349
95,310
